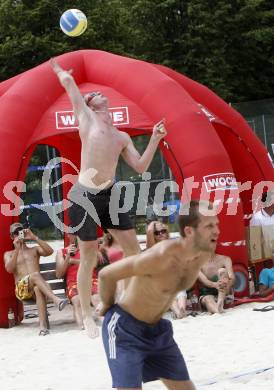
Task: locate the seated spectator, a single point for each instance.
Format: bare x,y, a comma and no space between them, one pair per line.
266,281
67,264
113,249
110,252
156,232
265,219
23,263
217,279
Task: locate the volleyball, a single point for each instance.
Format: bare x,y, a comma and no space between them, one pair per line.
73,22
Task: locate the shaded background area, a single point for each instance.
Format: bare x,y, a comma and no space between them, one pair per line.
33,212
226,45
260,117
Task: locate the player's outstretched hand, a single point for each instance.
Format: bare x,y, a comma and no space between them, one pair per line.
159,130
57,68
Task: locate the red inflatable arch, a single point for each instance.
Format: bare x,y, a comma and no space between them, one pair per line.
206,140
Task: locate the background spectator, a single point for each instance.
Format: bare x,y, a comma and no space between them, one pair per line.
23,263
266,281
156,232
217,279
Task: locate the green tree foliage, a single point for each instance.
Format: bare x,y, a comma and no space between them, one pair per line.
30,32
226,45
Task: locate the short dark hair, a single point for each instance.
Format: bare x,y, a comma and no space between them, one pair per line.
267,196
190,215
109,239
264,196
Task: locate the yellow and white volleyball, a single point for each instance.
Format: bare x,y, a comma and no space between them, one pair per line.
73,22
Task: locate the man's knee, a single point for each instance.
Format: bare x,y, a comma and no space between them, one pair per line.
34,277
206,299
37,291
89,260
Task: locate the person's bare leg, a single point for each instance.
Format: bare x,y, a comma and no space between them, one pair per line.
178,385
208,301
88,260
37,280
95,300
127,239
77,311
182,302
175,308
222,292
221,300
126,388
42,309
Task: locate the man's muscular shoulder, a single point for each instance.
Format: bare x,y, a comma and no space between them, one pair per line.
168,249
85,118
124,138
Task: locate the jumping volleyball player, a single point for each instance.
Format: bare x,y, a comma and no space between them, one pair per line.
102,144
139,344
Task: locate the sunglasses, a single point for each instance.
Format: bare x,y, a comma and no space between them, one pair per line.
158,232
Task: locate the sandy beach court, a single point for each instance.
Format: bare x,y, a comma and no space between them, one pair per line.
216,349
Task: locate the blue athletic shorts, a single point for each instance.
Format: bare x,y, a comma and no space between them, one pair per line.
139,352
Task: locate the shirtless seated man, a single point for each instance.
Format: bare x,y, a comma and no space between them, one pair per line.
23,263
217,279
139,344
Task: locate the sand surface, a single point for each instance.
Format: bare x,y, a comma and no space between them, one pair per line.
216,348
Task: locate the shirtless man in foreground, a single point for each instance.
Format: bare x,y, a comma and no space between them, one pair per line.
138,343
95,191
217,278
23,263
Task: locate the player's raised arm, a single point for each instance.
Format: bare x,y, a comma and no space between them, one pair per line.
66,79
141,163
